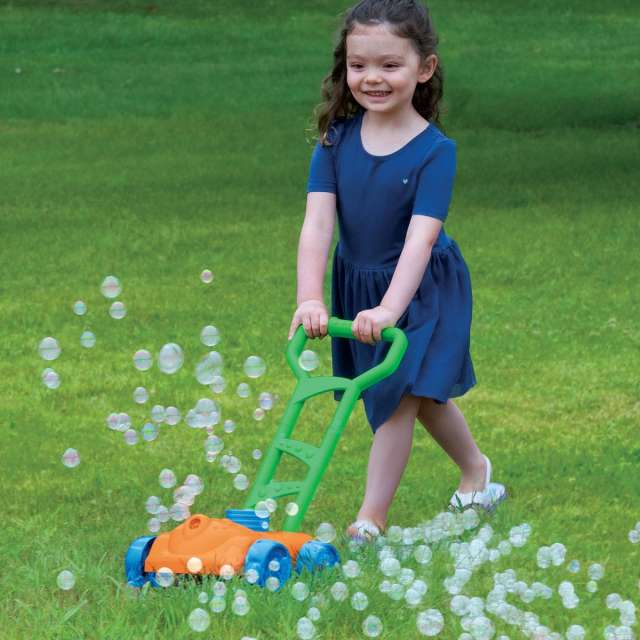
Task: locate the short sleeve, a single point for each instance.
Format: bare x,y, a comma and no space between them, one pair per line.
322,172
435,182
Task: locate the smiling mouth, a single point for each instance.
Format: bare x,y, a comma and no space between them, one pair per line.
378,94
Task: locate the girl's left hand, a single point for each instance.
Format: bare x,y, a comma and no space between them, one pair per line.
367,326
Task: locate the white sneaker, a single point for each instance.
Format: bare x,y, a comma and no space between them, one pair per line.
492,494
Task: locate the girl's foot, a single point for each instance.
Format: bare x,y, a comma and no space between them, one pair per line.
491,494
364,530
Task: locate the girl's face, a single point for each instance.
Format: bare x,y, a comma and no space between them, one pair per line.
385,64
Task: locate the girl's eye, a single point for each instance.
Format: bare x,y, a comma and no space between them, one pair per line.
359,66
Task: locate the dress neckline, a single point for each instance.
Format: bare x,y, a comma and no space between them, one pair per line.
393,153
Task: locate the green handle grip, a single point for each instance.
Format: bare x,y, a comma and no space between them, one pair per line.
339,328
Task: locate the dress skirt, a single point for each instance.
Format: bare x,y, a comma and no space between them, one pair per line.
437,323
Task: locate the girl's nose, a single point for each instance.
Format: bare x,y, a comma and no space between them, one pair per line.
373,76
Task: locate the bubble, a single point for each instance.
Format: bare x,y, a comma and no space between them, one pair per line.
227,572
431,622
292,509
179,512
165,577
313,614
351,569
209,367
423,553
206,276
254,366
359,601
170,358
241,482
258,414
210,336
50,378
266,401
157,413
326,532
574,566
271,505
240,606
229,426
111,287
79,308
251,576
194,565
213,444
140,395
596,571
233,465
167,479
163,513
184,495
243,390
70,458
300,591
124,422
149,432
261,510
339,591
49,349
308,360
219,588
372,626
88,339
274,565
203,597
199,620
172,416
131,436
218,384
195,483
117,310
575,632
66,580
305,629
152,505
217,604
256,454
142,360
153,525
390,566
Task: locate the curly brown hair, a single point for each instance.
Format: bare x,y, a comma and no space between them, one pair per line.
406,19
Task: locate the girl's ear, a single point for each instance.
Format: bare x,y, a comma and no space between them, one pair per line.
428,68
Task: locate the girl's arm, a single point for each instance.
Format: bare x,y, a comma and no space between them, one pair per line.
421,236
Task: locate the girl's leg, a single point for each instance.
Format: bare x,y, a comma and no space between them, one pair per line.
449,429
387,460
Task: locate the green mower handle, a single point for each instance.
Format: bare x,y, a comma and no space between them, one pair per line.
339,328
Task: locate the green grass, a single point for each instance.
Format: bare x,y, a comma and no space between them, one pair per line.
154,140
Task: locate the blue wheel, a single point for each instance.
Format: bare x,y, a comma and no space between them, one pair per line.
316,555
261,553
134,562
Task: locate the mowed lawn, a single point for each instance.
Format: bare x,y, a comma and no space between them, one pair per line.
153,140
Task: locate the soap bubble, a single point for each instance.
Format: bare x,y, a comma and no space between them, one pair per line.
206,276
140,395
179,512
142,360
372,626
172,416
431,622
326,532
274,565
305,629
210,336
313,614
70,458
218,384
152,505
66,580
229,426
227,572
240,606
254,366
292,509
194,565
251,576
243,390
49,348
153,525
203,597
157,413
111,287
79,308
241,482
219,588
390,566
574,566
300,591
195,483
165,577
256,454
170,358
359,601
167,479
351,569
117,310
213,444
271,505
149,432
50,378
209,367
339,591
258,414
266,401
423,553
308,360
87,339
199,620
596,571
217,604
261,510
131,436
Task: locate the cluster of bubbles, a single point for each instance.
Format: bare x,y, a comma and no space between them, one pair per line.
183,498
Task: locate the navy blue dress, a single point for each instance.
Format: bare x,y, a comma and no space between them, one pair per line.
376,197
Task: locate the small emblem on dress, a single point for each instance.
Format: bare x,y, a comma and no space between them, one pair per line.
405,180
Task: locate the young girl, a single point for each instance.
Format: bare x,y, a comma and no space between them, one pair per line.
387,169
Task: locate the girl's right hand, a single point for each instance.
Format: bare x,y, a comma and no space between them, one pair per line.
313,315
